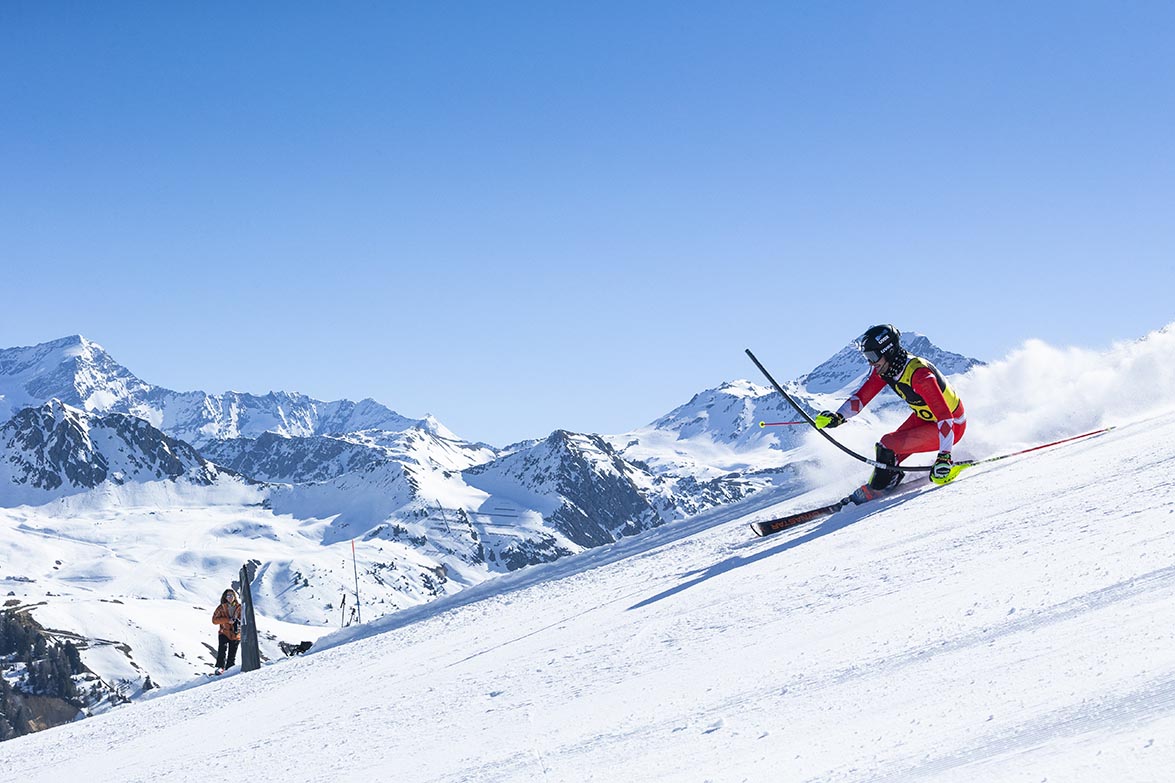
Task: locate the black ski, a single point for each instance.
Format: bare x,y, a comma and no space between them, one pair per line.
770,526
792,520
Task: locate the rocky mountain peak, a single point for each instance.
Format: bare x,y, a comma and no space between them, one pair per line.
79,372
583,487
848,366
57,449
72,369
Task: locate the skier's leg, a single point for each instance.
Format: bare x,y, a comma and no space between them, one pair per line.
883,479
917,436
896,446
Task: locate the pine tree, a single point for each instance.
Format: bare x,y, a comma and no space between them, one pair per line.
74,658
7,707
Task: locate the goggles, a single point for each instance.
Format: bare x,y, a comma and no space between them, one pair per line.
871,356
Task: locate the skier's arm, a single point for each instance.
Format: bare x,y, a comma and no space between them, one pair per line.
926,385
863,396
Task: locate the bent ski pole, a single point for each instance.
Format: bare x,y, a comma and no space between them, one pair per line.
833,441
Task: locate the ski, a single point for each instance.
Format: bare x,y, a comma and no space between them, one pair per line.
778,524
770,526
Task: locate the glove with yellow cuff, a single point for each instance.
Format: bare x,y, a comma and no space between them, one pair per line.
943,470
828,419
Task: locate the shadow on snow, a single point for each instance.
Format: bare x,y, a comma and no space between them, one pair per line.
824,527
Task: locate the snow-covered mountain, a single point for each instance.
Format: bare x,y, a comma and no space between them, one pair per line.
299,460
582,488
847,366
81,373
58,450
1018,624
74,370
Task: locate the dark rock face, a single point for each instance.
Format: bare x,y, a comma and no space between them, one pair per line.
593,489
272,457
56,446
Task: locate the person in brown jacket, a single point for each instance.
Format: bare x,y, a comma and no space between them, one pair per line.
228,617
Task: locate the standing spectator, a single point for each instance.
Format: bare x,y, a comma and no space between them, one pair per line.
228,617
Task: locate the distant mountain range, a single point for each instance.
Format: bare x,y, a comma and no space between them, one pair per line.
80,373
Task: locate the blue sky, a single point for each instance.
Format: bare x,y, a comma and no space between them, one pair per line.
527,216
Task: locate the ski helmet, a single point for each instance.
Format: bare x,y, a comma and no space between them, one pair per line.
881,341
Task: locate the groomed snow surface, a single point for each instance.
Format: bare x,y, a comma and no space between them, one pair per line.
1016,625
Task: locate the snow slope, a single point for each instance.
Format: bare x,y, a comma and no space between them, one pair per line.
1018,624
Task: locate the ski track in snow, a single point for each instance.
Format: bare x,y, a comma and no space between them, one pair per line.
1016,625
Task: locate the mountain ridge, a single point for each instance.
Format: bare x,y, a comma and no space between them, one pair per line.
81,373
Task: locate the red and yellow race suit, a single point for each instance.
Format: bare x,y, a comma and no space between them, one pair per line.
938,420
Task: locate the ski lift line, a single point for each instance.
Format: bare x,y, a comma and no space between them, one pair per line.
510,531
444,517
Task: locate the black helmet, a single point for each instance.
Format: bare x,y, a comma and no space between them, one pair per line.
880,341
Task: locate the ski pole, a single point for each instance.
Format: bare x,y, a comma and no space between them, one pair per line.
780,423
973,462
829,438
962,465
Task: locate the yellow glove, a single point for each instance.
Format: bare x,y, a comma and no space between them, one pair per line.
828,419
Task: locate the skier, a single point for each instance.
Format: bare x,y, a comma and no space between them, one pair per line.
228,617
936,424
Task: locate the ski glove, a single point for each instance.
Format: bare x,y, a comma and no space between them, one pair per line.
828,419
943,470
